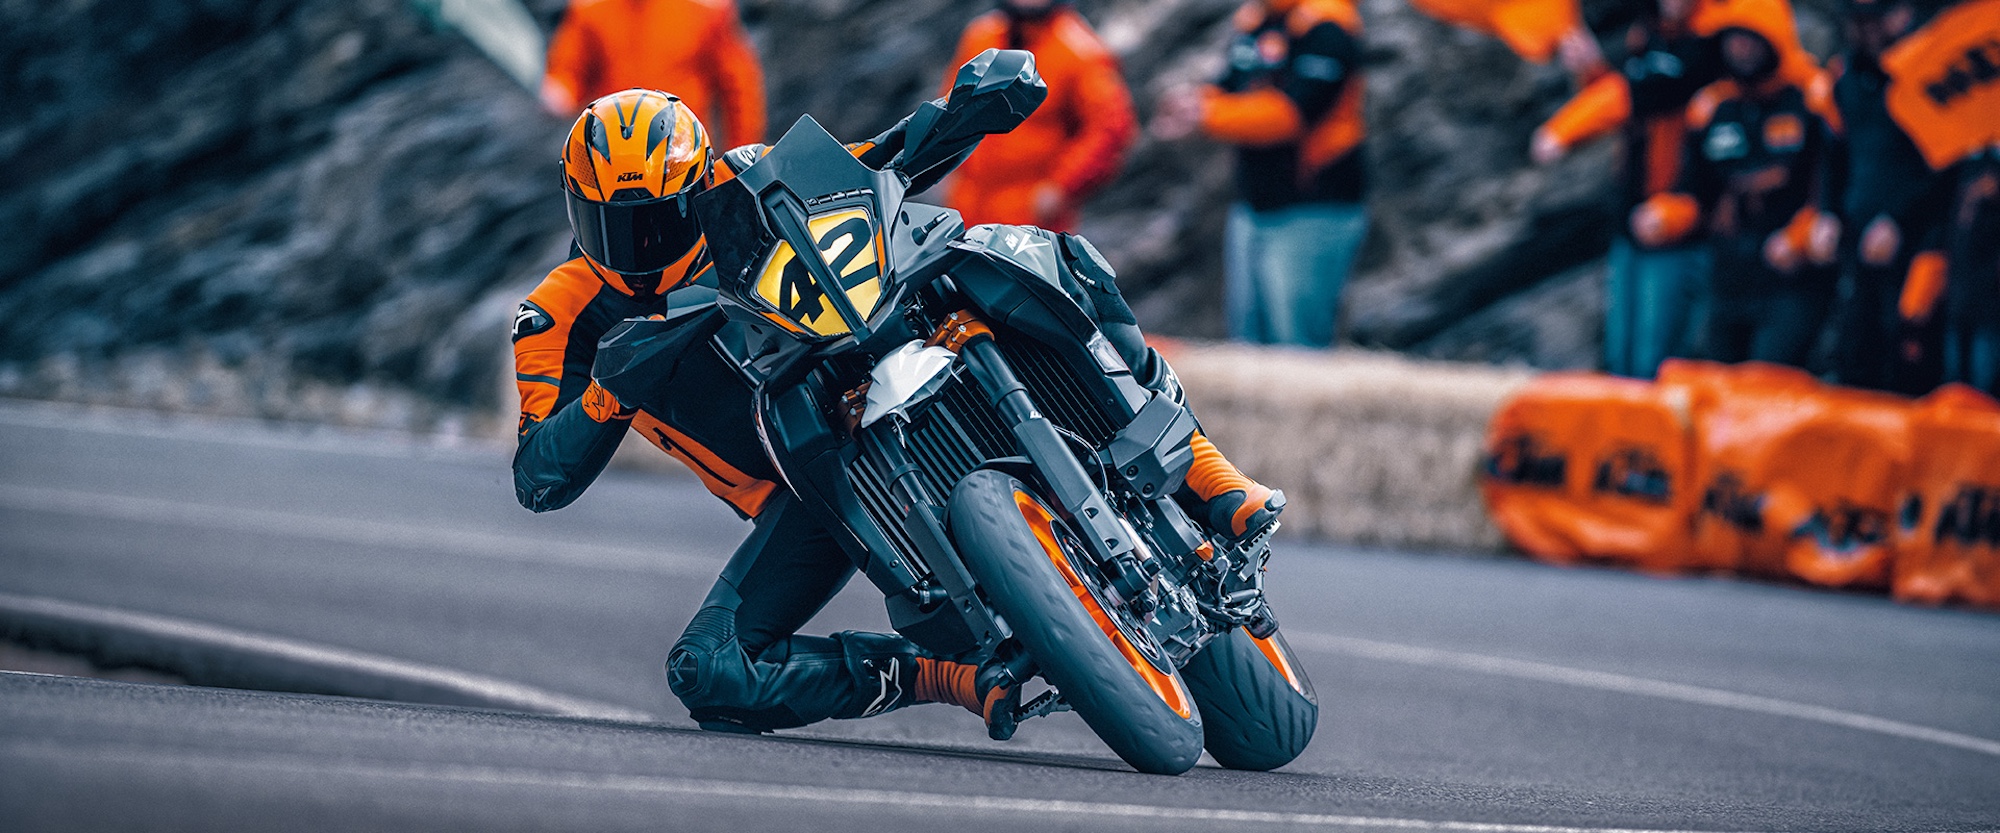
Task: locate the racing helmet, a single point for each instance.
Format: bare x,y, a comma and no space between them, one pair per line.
632,163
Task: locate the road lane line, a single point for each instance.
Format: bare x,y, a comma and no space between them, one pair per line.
364,533
351,441
206,654
904,800
1623,684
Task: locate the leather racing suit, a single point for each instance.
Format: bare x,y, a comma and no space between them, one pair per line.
740,665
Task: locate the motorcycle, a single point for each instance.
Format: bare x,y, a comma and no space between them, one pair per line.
959,423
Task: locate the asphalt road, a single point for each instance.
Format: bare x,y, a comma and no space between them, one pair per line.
1457,693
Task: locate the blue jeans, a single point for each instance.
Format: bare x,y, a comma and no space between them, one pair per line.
1285,268
1972,355
1649,296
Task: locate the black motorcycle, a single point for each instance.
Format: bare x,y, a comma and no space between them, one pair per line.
958,422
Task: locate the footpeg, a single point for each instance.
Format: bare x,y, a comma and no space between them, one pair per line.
1047,703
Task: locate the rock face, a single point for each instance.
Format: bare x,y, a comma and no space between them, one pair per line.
331,195
300,194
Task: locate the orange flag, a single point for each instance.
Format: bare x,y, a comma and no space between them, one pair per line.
1529,27
1944,82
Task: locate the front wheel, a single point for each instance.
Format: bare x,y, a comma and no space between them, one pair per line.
1032,569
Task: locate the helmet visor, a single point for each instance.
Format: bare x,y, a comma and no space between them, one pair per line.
633,238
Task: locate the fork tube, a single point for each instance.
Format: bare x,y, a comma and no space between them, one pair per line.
1079,498
905,484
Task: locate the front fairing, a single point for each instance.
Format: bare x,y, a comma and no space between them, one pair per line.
798,240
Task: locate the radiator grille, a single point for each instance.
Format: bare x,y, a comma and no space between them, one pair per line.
1062,394
958,430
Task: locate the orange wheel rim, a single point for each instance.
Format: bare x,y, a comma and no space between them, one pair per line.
1166,685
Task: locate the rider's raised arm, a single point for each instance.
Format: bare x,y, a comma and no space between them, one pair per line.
569,427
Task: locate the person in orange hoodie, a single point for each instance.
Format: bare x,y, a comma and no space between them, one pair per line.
1749,178
697,48
1290,101
1650,292
1041,173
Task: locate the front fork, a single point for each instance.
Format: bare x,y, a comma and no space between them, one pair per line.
1129,564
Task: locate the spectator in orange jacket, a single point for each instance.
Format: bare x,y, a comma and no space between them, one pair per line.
1650,292
1041,173
1290,101
696,48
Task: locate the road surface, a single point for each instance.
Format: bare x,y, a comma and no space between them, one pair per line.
1457,692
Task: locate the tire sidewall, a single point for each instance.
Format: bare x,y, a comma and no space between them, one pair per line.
1004,555
1252,716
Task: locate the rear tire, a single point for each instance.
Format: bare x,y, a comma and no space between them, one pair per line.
1012,545
1257,705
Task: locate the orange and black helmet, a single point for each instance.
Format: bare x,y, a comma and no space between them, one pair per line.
633,161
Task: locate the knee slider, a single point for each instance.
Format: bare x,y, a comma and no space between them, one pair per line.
1099,281
707,648
1159,377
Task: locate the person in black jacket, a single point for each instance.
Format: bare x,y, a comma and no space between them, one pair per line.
1882,205
1651,292
1290,102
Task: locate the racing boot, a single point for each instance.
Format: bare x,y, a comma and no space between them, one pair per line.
974,687
1237,507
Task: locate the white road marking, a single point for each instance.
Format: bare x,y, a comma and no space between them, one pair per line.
363,669
365,533
1623,684
908,801
240,431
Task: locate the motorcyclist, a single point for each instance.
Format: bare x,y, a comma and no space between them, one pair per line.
631,163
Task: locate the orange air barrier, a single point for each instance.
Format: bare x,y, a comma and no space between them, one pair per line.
1948,538
1797,479
1583,465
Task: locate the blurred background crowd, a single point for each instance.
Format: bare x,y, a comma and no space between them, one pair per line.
328,209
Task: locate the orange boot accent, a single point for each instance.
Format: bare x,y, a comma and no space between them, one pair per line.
1212,476
939,681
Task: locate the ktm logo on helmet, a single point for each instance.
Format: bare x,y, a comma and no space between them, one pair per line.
630,176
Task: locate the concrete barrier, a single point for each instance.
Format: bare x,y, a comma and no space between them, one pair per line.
1370,447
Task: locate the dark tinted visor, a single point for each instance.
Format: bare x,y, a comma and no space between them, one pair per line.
633,238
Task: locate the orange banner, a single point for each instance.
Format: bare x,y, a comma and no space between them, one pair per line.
1944,86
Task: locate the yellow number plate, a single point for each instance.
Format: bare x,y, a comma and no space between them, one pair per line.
848,245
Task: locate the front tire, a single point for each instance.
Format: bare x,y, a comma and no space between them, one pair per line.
1016,548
